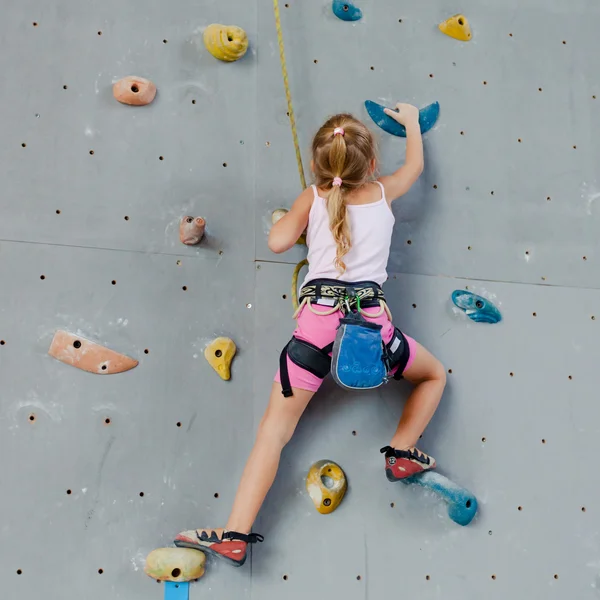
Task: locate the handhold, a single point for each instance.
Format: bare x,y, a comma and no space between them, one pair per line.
326,498
88,356
226,42
462,504
219,354
457,27
278,213
346,11
191,230
134,90
477,308
427,118
175,564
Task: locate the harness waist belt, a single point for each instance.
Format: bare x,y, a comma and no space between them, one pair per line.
368,293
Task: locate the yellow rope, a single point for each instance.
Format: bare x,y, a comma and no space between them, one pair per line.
288,95
295,282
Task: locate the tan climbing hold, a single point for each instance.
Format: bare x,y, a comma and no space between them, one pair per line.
134,90
175,564
226,42
326,485
191,230
278,214
88,356
219,354
457,27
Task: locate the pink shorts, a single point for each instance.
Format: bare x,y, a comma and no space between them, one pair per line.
320,330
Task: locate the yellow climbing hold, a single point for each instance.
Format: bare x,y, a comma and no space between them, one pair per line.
326,485
226,42
175,564
457,27
219,354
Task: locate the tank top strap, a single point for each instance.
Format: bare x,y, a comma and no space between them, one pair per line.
315,192
382,189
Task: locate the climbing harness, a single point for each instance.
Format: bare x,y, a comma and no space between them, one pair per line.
358,358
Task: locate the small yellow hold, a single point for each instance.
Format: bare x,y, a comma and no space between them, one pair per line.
457,27
219,354
326,485
175,564
226,42
278,214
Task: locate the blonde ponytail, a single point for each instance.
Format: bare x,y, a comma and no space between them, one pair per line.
338,223
343,154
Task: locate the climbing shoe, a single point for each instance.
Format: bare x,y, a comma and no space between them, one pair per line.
400,464
228,545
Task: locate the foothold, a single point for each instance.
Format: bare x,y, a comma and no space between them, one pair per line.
136,91
457,27
326,498
346,11
191,230
88,356
226,42
462,504
427,118
175,564
219,354
478,309
278,213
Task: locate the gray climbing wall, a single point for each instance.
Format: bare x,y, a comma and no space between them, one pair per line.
98,471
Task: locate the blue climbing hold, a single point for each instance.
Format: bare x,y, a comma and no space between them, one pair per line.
177,590
462,504
346,11
478,309
427,118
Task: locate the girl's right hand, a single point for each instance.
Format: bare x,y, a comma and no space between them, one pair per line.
407,113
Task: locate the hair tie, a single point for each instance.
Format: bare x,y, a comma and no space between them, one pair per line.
339,131
337,181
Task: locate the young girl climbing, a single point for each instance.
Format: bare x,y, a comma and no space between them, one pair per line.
348,221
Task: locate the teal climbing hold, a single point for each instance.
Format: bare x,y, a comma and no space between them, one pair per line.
477,308
462,504
427,118
346,11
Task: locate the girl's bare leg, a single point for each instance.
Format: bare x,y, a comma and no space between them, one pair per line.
429,377
274,432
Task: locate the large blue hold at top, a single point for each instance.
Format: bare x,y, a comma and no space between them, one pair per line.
427,118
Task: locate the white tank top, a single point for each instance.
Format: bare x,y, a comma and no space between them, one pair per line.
371,228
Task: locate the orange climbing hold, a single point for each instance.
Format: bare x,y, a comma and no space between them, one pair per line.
136,91
457,27
88,356
226,42
191,230
175,564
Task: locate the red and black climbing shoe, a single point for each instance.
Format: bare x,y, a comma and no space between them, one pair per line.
228,545
400,464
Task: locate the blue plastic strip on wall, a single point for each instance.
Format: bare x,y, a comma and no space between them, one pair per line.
177,591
